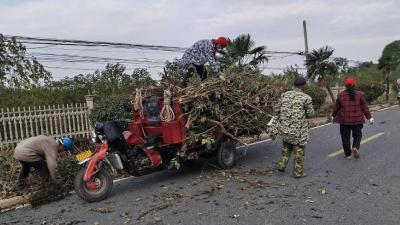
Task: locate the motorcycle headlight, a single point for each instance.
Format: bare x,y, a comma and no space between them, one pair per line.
93,136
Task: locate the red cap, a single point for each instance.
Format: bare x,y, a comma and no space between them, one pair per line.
221,40
350,81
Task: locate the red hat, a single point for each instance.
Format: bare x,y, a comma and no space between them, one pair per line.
221,40
350,81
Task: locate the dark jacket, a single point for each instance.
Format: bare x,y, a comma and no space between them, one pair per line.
347,112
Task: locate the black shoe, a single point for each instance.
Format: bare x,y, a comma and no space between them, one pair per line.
281,169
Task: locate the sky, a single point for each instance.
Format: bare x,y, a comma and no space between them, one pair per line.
357,30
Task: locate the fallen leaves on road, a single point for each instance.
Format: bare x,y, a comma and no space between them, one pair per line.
308,200
323,191
102,210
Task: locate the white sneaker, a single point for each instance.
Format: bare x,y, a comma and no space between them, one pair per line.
356,153
348,157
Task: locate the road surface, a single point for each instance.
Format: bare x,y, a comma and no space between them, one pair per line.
336,190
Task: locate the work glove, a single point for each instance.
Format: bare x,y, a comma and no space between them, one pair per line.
221,76
371,121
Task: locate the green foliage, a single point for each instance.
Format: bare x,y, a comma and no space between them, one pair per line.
292,72
109,109
174,163
371,89
318,96
172,72
319,65
390,58
365,71
388,62
342,64
208,142
241,52
16,70
112,81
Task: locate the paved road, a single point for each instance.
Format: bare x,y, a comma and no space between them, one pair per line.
336,191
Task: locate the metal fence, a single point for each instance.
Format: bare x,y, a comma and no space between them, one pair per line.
17,124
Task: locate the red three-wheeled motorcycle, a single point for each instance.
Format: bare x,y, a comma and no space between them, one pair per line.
149,144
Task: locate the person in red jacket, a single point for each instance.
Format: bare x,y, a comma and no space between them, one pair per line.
349,112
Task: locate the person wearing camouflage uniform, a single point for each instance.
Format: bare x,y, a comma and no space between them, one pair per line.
290,115
398,90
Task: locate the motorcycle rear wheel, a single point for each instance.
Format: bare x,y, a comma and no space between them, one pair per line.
226,157
104,183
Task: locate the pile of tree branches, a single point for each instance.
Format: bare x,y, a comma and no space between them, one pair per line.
239,106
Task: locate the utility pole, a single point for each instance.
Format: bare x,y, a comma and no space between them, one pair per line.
305,37
305,42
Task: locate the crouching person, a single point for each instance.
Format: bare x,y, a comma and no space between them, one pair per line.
41,153
290,114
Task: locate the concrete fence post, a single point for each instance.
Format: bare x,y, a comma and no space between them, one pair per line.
89,101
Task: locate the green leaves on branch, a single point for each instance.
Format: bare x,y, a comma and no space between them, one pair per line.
318,96
319,65
241,52
109,109
371,89
16,69
390,59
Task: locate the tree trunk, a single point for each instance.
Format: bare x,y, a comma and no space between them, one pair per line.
387,77
330,92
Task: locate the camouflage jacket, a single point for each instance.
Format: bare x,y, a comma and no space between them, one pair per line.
200,53
291,112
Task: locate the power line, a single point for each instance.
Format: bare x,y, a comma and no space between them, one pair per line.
71,42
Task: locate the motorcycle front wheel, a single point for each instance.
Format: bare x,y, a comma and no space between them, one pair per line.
97,189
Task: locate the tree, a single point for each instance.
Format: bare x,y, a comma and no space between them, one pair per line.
320,67
241,52
18,71
141,78
292,71
112,80
342,64
172,72
389,61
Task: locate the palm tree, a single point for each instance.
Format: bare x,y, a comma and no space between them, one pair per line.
389,61
241,52
320,67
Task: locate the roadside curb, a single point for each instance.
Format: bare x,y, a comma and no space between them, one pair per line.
19,202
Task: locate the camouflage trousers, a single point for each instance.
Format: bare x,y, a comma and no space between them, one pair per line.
287,150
